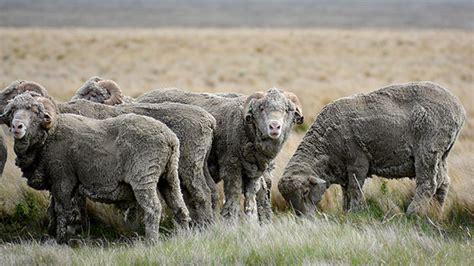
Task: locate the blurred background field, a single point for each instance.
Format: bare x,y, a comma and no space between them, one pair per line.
319,60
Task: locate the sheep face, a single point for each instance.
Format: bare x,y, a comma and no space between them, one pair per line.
303,193
272,113
27,114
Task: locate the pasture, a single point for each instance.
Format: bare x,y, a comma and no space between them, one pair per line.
318,65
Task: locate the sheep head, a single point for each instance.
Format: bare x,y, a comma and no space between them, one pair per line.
273,112
18,87
28,114
99,90
302,192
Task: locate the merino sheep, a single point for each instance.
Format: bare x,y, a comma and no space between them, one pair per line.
194,129
263,196
404,130
131,155
249,134
91,89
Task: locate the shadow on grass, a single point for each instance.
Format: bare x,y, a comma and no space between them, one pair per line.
29,222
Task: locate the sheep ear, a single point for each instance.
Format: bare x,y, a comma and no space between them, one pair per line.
299,117
47,122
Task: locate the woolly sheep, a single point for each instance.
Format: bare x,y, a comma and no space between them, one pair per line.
133,153
404,130
249,134
94,91
193,127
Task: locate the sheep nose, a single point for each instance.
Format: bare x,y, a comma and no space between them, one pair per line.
274,129
17,125
274,126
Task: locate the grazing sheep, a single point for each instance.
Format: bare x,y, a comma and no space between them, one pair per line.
131,154
398,131
193,127
249,134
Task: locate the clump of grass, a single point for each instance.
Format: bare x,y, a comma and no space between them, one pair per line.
29,219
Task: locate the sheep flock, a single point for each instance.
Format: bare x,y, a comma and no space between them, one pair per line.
168,148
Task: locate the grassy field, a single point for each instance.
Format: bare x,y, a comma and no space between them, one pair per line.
319,66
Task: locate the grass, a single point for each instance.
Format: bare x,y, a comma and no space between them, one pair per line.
288,240
318,65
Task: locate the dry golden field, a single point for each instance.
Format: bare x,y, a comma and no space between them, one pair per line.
318,65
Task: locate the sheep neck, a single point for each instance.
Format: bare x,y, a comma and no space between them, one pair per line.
29,152
310,158
258,152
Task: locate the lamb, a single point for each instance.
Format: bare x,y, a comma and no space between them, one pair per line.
249,134
404,130
135,155
194,128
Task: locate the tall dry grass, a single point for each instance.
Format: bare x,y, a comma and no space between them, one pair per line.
318,65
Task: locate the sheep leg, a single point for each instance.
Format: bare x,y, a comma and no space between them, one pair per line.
264,206
356,174
232,190
211,184
426,169
444,180
63,208
52,217
147,199
180,212
171,191
198,196
356,178
79,214
252,186
345,198
83,219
